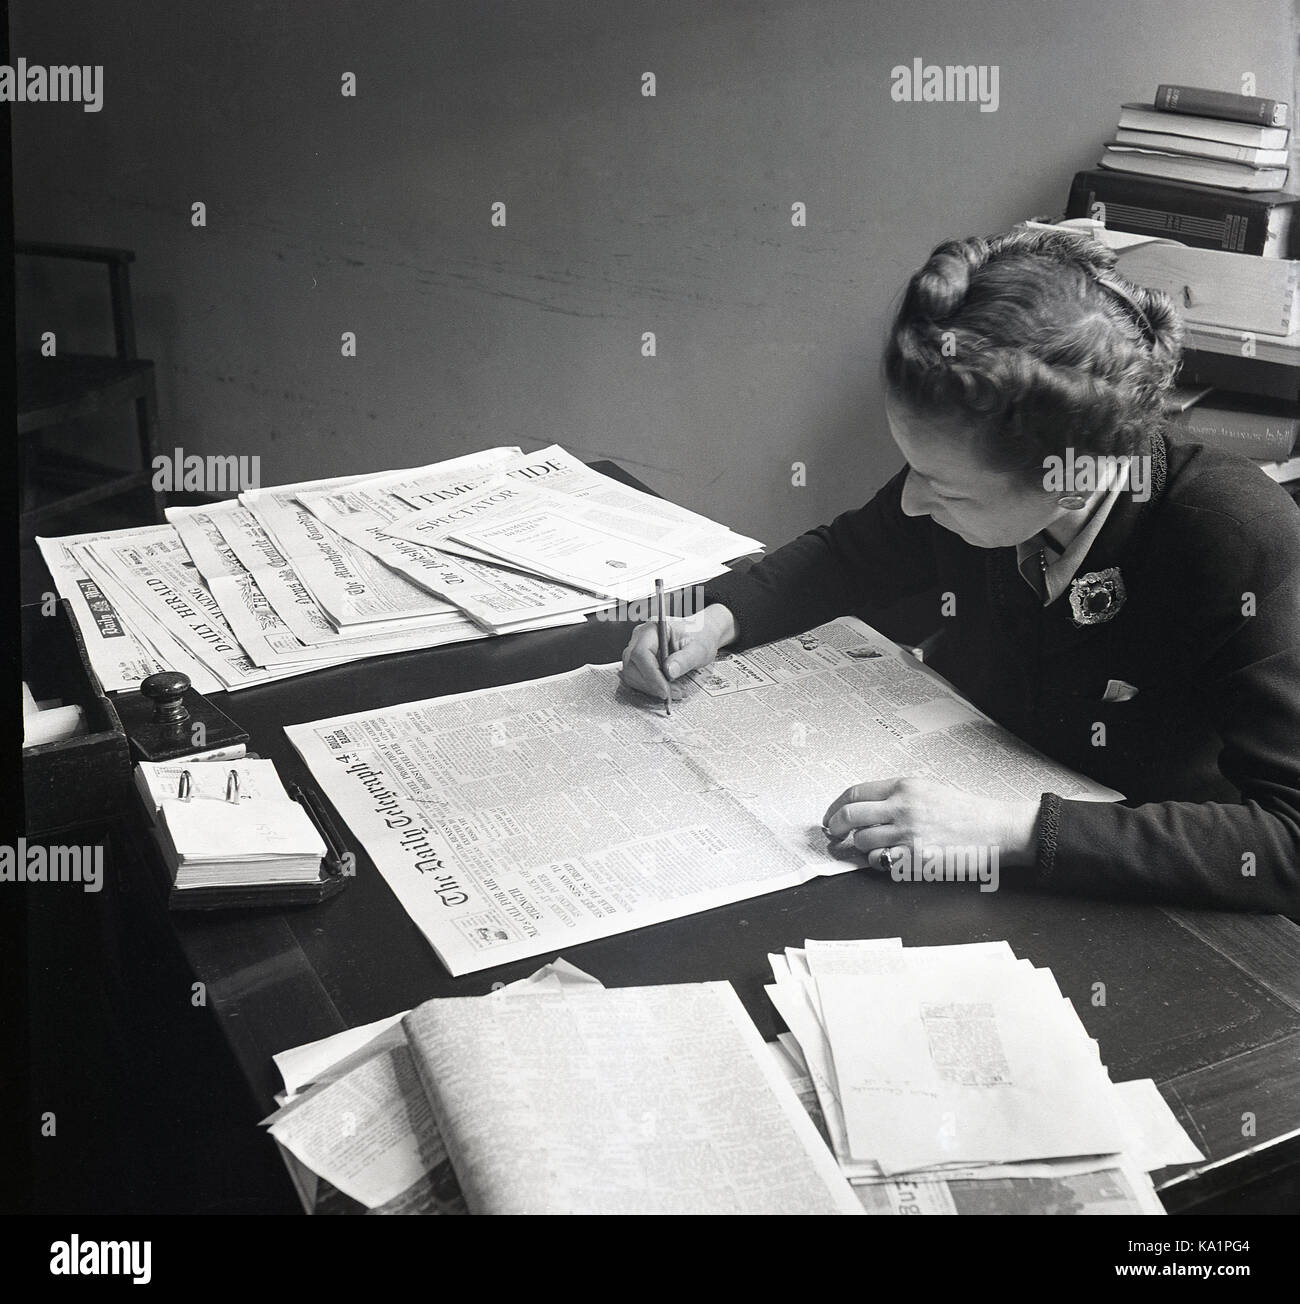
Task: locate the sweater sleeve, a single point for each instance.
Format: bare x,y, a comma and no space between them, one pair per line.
870,557
1228,855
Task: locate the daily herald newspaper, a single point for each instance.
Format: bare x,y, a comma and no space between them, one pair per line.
521,820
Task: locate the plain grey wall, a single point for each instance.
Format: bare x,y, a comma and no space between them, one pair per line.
625,213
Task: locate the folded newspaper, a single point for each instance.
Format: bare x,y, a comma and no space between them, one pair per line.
559,1096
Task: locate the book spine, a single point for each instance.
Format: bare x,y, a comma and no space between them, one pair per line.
1252,434
1198,102
1240,374
1199,147
1139,118
1191,163
1198,171
1204,218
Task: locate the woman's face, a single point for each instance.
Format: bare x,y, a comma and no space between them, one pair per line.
946,480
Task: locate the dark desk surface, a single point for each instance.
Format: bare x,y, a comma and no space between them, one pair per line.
1207,1004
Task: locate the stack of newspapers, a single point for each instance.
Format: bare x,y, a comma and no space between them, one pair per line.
958,1079
296,578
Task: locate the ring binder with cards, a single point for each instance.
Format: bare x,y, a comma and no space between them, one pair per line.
337,870
228,837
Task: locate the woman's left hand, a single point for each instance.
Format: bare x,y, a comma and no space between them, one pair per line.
896,815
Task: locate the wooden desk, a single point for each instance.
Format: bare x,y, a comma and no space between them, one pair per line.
1207,1004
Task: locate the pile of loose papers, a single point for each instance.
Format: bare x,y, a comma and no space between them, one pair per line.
958,1079
295,578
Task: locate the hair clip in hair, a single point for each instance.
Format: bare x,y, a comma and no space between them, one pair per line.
1124,297
1097,597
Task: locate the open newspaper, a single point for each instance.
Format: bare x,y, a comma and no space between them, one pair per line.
516,821
563,1097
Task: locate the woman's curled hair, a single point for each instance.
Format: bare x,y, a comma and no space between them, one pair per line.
1035,340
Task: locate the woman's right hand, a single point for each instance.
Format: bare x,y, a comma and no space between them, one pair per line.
693,641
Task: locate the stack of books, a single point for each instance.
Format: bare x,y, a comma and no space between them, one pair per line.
1215,138
222,824
1206,168
959,1079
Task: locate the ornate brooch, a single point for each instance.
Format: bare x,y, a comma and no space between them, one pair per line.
1097,596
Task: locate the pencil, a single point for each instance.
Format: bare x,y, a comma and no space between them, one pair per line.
663,643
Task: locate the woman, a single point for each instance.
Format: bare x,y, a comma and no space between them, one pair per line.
1144,631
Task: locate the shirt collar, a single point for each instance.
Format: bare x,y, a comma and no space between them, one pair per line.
1046,568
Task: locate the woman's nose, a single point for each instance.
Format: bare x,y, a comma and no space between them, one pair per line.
915,500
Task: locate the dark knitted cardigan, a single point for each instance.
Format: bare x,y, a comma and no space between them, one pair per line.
1208,750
